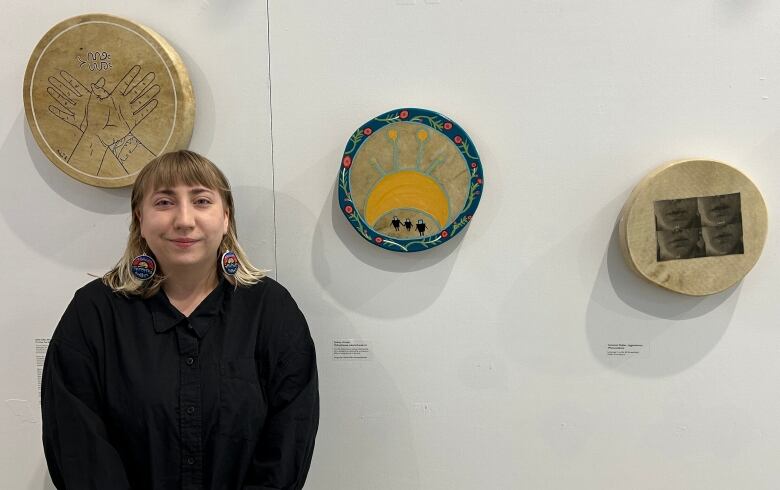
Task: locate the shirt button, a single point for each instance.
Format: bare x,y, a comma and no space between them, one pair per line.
190,361
190,410
190,460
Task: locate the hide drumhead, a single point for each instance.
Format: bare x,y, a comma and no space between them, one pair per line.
104,95
695,227
410,180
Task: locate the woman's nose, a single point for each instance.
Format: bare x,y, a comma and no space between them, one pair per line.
184,216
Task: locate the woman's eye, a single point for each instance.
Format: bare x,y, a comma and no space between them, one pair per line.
202,201
163,202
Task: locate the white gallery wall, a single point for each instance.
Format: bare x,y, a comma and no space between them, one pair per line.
489,364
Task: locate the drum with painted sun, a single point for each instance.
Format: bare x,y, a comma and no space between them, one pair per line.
410,179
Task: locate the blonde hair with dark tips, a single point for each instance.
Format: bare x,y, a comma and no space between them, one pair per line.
168,170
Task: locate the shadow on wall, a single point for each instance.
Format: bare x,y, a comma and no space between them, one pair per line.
255,224
540,318
37,217
364,278
205,115
364,440
676,331
568,319
360,276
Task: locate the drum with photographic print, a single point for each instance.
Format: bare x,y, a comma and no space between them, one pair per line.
695,227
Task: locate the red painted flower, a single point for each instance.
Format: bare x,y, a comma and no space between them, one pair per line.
468,218
444,234
348,209
403,114
458,140
473,164
346,161
448,125
378,239
367,131
479,181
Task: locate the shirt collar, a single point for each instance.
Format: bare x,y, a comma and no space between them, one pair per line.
165,316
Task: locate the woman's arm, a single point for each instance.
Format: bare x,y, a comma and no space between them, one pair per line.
75,440
284,450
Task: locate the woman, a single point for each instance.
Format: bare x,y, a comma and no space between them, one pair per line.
184,367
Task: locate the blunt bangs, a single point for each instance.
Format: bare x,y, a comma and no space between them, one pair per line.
180,168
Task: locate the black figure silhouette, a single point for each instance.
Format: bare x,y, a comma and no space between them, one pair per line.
421,227
396,223
408,224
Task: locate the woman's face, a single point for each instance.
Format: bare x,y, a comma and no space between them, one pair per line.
719,210
680,244
675,214
183,226
722,240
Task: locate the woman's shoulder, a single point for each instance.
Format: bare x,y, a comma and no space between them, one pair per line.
265,289
95,287
269,297
85,316
282,324
97,291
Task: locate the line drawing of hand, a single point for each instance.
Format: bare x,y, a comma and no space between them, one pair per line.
110,116
109,120
70,99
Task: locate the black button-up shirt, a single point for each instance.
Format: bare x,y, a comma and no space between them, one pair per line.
136,395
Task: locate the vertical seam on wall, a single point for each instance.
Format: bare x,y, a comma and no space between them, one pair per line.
271,116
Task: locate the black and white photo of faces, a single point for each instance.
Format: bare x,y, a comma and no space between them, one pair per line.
698,227
678,229
721,220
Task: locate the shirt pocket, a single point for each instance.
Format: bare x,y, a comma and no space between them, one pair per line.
242,402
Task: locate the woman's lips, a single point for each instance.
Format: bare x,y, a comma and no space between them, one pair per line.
184,242
722,238
678,215
680,242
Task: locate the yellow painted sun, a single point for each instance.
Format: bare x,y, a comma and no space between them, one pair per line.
407,189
